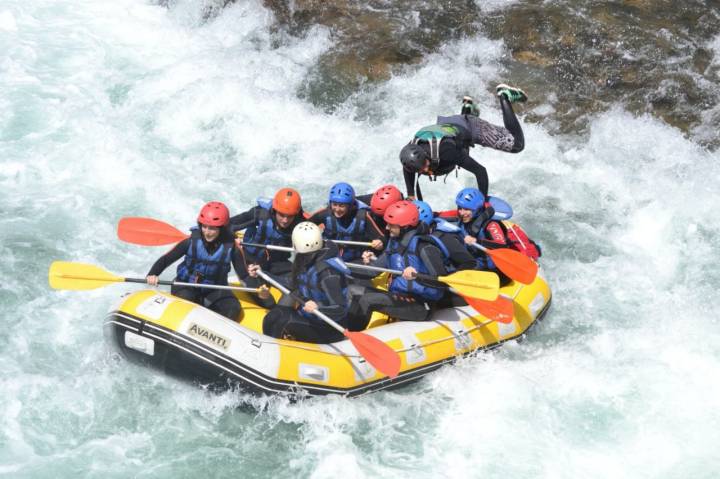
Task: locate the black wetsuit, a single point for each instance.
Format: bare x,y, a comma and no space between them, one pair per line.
221,301
285,321
405,307
458,254
453,152
273,262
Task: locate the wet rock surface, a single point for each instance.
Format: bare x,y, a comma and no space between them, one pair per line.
372,38
652,56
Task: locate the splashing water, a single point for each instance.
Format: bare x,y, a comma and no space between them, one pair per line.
125,108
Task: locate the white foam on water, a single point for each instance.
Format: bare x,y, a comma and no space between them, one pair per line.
494,5
127,109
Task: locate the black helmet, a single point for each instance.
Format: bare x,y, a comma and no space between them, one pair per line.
413,157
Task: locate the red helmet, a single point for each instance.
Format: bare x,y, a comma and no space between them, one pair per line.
287,201
384,197
214,214
402,213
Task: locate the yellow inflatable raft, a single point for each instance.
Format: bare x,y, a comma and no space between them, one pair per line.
184,339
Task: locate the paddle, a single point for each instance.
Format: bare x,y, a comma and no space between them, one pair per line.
513,263
80,276
270,246
381,356
148,232
471,286
500,310
464,282
476,284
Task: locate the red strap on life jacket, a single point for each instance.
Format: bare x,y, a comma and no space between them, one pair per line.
496,232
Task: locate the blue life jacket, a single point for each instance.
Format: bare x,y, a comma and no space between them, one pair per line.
264,230
353,232
199,266
309,283
404,253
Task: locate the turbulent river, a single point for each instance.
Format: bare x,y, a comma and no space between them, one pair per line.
129,108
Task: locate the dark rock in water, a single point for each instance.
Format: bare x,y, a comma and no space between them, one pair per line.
647,55
372,38
651,56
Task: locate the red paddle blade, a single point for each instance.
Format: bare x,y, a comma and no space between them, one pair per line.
447,214
381,356
500,310
148,232
514,264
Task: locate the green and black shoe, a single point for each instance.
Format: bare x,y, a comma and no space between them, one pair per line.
513,94
469,107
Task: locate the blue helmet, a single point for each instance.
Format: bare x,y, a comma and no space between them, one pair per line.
341,193
470,199
426,214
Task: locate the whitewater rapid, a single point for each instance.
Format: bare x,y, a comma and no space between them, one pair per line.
112,109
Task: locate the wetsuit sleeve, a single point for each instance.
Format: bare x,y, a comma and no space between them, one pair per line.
238,263
332,285
459,254
432,258
409,182
319,217
381,261
243,220
169,258
372,230
466,162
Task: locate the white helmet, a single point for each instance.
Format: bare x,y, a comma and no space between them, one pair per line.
307,237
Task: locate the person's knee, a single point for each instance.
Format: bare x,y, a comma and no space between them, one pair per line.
275,321
188,294
228,307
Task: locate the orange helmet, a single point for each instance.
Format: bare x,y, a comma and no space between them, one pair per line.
287,201
214,214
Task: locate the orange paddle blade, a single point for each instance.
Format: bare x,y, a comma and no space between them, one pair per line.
500,310
148,232
514,264
381,356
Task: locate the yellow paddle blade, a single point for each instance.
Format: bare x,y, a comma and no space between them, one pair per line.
76,276
476,284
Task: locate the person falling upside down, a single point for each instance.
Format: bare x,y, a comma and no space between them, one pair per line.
438,149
